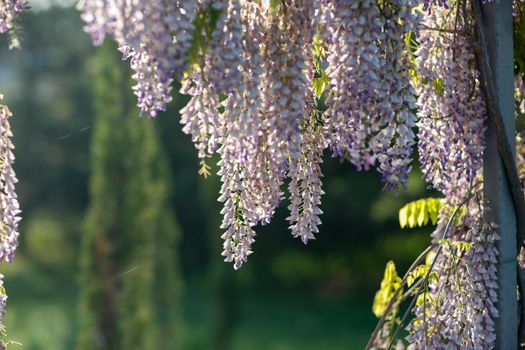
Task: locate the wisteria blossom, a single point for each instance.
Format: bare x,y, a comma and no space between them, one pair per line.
370,116
9,206
154,35
257,99
451,111
200,117
3,299
9,11
458,310
353,33
306,184
10,210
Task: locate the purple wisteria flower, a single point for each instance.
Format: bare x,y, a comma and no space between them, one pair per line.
155,35
9,11
370,116
451,115
9,207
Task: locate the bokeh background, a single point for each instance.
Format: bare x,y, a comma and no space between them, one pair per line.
287,296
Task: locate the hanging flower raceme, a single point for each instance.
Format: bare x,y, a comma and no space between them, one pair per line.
306,182
226,47
371,103
458,310
9,207
99,18
10,210
393,122
155,35
353,32
246,122
9,11
451,110
219,74
200,117
288,32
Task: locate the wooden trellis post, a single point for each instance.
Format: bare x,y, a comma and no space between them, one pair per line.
498,31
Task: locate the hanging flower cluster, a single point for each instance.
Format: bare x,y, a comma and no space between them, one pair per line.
370,108
154,35
272,85
9,208
451,112
458,310
9,11
249,71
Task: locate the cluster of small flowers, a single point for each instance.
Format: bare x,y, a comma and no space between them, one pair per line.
451,111
3,298
265,128
458,311
395,118
9,207
251,98
220,74
9,11
429,4
353,31
370,116
306,183
155,34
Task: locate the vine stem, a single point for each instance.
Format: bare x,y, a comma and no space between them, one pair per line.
420,258
427,275
392,302
504,150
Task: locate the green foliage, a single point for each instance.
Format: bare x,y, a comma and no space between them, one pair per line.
274,4
439,88
419,213
456,247
129,283
519,40
389,285
321,81
47,238
419,271
205,23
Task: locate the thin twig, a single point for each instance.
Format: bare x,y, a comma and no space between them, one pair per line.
409,292
421,257
392,302
427,275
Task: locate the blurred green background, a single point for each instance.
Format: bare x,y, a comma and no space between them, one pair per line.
287,296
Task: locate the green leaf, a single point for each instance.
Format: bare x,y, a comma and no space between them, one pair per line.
274,4
205,22
413,211
422,218
403,217
389,285
419,272
439,87
419,213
